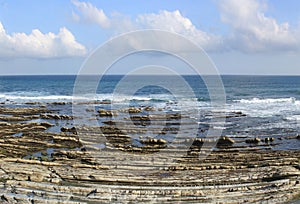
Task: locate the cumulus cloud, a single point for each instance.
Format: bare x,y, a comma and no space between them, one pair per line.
175,22
90,14
172,21
39,45
252,30
249,28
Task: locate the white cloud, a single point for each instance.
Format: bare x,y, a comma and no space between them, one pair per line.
39,45
90,14
252,30
175,22
164,20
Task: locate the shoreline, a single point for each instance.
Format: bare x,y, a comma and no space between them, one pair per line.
38,165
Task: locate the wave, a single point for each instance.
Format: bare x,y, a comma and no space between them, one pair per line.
161,101
156,98
293,117
267,107
36,98
44,97
269,100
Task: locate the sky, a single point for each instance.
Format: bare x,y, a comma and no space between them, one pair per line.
240,36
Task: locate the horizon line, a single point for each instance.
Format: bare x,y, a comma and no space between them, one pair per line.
3,75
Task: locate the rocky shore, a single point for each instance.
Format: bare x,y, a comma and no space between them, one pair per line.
43,158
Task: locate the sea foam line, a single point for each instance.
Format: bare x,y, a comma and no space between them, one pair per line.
269,100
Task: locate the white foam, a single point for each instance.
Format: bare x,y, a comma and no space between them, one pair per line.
37,98
45,97
269,100
219,128
293,117
267,107
126,98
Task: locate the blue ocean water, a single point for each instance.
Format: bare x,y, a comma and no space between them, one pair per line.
245,89
236,87
271,103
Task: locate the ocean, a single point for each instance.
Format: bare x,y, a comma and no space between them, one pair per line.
270,105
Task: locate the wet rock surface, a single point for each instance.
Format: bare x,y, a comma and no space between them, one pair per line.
113,165
56,117
105,113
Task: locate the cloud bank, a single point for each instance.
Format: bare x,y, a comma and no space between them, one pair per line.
253,31
250,30
39,45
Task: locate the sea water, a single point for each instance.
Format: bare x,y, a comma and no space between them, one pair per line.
271,104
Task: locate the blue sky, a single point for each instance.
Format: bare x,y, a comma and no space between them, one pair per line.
240,36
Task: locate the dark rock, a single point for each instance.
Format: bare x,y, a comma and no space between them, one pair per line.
72,130
32,103
198,142
92,192
3,198
149,108
238,112
235,114
134,110
59,103
56,117
269,139
153,141
175,116
110,130
225,141
64,129
106,102
140,118
253,141
46,124
105,113
44,153
109,122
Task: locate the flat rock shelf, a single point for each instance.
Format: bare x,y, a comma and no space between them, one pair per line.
42,166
